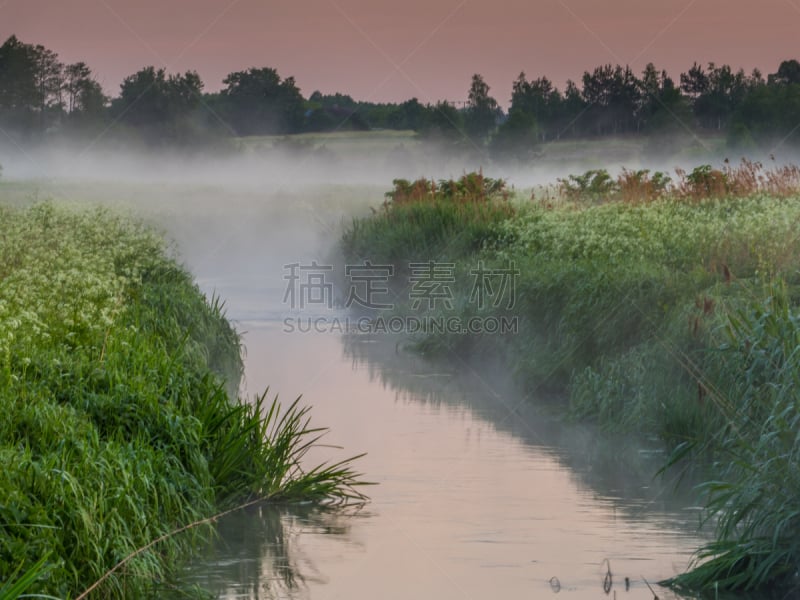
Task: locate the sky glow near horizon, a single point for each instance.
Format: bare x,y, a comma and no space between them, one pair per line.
385,51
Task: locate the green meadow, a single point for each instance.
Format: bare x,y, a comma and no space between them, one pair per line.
409,147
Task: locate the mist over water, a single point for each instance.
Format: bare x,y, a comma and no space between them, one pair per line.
351,159
481,490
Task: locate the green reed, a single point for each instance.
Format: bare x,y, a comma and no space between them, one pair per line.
654,308
119,424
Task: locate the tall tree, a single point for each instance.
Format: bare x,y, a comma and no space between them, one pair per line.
694,83
482,110
18,90
571,115
158,106
443,122
410,115
75,77
30,84
84,95
715,93
258,102
339,112
788,73
613,95
541,101
663,108
769,112
143,98
49,76
517,138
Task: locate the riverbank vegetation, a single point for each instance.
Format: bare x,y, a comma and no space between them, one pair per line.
663,304
119,422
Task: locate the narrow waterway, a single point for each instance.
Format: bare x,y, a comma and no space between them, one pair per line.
482,492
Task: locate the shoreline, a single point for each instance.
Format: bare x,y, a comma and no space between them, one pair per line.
649,315
118,379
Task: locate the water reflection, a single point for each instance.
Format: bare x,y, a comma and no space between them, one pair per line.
475,499
260,552
617,468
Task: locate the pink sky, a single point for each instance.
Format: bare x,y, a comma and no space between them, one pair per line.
389,51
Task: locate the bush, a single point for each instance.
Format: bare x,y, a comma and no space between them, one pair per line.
469,188
426,220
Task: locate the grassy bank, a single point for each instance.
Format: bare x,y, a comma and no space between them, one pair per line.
664,308
119,427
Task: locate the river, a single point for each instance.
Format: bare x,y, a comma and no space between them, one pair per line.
482,491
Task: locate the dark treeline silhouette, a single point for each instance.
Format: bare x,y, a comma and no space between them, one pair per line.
37,92
40,96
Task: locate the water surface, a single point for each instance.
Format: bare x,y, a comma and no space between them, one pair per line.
483,493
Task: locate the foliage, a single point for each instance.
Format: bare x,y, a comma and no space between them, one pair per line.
444,123
612,94
159,107
259,102
594,184
470,187
717,91
17,584
536,102
704,182
425,219
516,138
655,291
333,112
37,91
754,373
117,426
635,186
650,311
482,111
767,116
39,94
422,231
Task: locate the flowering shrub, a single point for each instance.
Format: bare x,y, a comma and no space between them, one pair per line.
748,235
64,275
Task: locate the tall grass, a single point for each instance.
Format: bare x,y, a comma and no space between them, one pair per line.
754,371
18,583
425,220
700,184
659,306
119,427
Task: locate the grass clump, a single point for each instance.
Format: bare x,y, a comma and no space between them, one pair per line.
469,188
753,375
701,183
418,220
119,427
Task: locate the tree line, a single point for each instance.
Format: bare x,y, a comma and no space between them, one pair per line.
40,95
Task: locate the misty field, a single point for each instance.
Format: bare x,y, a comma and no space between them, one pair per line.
667,307
659,306
121,427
